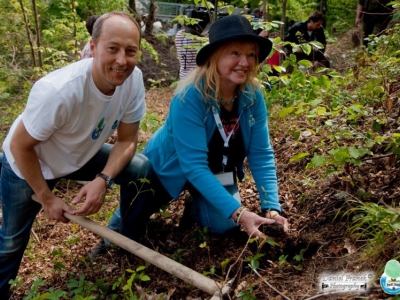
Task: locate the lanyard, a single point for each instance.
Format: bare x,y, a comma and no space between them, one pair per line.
223,134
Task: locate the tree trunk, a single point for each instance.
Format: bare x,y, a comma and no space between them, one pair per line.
28,33
265,11
215,12
38,38
282,27
150,19
283,20
132,6
75,29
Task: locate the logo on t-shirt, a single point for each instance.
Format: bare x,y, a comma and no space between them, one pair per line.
115,125
97,131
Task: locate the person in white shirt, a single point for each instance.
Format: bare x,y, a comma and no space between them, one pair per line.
62,133
85,53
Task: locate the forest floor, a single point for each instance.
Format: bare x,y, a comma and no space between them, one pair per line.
317,244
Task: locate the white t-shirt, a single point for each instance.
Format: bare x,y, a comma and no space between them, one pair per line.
73,119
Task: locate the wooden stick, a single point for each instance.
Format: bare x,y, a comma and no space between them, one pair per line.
168,265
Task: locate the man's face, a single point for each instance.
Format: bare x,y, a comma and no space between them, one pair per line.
312,26
116,53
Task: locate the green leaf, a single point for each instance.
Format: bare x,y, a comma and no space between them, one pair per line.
334,74
305,63
318,160
321,110
306,48
255,264
285,111
324,81
376,126
299,156
144,277
140,268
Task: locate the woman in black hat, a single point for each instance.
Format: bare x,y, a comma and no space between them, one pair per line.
217,119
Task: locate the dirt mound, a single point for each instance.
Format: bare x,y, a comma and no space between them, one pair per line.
166,70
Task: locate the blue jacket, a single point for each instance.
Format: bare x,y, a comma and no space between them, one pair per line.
178,150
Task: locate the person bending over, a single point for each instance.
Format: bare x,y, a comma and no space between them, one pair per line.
217,118
70,114
305,32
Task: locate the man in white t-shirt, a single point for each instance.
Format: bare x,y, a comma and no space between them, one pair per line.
62,133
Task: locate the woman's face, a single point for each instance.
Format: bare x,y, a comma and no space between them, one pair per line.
236,62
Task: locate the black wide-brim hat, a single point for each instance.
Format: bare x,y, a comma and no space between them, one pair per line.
233,28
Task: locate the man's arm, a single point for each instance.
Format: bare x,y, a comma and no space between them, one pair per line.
22,148
120,155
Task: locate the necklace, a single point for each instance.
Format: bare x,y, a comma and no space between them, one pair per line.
228,102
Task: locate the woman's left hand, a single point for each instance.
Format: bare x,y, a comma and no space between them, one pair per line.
251,222
279,219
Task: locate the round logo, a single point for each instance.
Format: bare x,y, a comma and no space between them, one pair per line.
390,279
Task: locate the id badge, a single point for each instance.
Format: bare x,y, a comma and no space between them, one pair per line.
225,178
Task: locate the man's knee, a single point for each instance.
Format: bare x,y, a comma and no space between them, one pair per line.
12,247
139,168
141,165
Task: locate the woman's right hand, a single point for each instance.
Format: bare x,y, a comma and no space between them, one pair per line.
251,222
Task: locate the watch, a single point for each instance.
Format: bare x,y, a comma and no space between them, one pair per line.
109,181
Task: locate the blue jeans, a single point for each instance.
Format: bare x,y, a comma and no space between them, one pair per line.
19,210
202,211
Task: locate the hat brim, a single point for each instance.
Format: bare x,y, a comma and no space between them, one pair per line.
264,47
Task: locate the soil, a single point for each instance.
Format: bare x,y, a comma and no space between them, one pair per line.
289,269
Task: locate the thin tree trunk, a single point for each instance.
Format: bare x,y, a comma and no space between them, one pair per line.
282,27
265,11
75,29
28,33
132,6
150,19
215,11
38,39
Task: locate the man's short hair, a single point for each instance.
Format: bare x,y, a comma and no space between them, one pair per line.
316,16
97,27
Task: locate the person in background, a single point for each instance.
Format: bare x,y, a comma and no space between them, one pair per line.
85,53
185,42
62,133
273,60
217,118
374,15
257,14
307,31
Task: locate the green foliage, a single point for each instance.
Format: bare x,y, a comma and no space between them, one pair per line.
149,124
376,223
254,260
247,294
137,275
177,255
298,258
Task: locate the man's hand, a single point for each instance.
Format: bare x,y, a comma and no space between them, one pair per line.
251,222
279,219
55,207
94,193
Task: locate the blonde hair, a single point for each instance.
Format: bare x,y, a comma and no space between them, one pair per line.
206,79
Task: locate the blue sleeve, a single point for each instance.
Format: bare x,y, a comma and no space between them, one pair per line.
261,157
188,117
